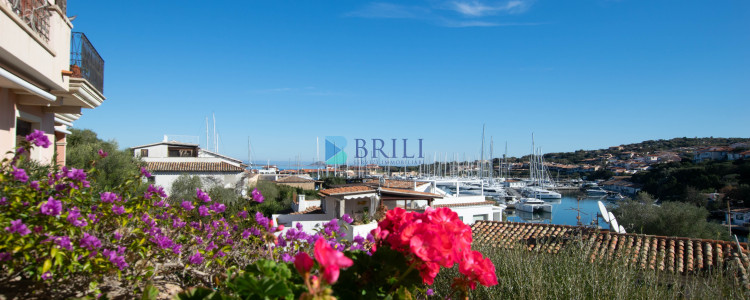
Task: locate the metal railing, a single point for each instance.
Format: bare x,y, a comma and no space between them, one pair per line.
85,61
35,14
63,5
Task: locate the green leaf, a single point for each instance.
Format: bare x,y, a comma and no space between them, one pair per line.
47,265
149,292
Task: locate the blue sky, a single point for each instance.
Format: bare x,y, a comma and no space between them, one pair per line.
578,74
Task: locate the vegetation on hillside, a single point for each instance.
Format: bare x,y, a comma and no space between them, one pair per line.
649,146
686,181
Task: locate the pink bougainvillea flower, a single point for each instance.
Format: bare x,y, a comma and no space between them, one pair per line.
347,218
20,174
90,242
108,197
38,138
102,153
202,195
19,227
145,173
51,207
47,275
257,196
203,211
187,205
303,262
196,258
218,207
118,209
330,261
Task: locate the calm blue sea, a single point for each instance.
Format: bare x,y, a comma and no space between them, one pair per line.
564,212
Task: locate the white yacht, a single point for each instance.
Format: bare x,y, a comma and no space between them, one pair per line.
533,205
596,192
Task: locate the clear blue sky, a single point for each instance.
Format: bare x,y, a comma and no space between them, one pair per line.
579,74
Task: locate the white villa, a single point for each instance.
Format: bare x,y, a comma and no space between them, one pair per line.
167,160
362,201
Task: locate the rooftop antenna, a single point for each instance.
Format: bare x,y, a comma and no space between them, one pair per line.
216,139
481,158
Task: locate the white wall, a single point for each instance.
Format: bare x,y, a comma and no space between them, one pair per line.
231,180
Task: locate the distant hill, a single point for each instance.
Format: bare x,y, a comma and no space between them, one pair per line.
682,145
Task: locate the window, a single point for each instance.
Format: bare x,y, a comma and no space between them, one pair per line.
23,129
144,152
480,217
178,152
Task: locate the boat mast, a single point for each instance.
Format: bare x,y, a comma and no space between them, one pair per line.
481,157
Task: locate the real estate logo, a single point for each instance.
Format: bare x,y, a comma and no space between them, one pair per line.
375,151
335,154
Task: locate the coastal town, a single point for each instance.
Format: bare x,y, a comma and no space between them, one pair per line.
124,195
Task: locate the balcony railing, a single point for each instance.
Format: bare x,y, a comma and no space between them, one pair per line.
35,14
85,61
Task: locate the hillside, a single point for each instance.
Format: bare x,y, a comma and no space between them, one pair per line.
683,146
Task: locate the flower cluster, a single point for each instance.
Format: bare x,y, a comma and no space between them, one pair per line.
433,239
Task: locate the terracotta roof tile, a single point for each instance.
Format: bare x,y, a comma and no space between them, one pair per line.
464,204
309,211
192,167
673,254
401,191
346,190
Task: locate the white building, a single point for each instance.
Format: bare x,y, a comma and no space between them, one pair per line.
48,74
362,202
167,160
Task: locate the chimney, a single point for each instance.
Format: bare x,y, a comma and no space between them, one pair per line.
165,139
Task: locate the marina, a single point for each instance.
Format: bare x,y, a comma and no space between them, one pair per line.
563,211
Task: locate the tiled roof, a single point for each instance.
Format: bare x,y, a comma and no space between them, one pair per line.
309,211
402,191
192,167
398,184
464,204
346,190
673,254
173,143
294,179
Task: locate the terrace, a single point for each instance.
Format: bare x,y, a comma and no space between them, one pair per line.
85,61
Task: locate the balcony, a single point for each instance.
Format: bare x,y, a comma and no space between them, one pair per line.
33,13
85,61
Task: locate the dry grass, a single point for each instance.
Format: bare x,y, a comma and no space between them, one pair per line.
569,274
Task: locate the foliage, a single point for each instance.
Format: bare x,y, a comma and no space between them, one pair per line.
330,181
668,219
570,274
59,231
600,174
676,181
279,197
117,167
184,188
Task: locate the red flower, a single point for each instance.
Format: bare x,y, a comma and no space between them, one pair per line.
330,261
303,262
477,269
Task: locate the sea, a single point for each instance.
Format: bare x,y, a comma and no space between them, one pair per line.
565,211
